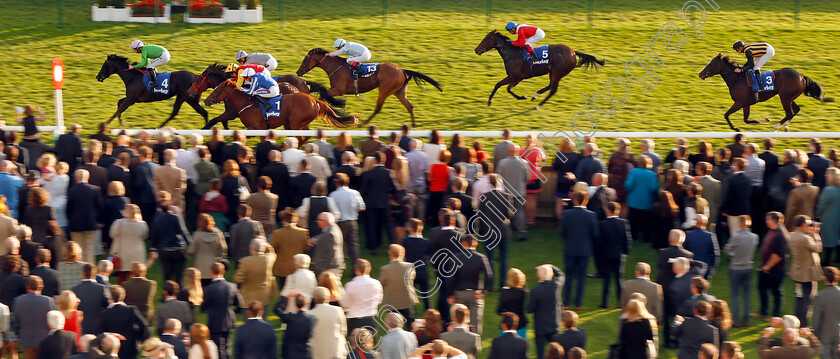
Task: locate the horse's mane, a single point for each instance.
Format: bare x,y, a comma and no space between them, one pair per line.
118,58
215,67
318,51
501,36
728,60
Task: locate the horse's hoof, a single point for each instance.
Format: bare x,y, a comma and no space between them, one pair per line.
786,128
536,107
776,128
489,103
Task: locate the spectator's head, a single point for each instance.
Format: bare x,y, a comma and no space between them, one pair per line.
447,217
580,198
73,253
200,334
396,252
300,301
172,326
310,148
699,285
116,188
646,145
789,336
731,350
744,221
361,267
515,278
701,221
55,320
750,149
801,222
544,272
138,269
302,261
576,353
320,295
34,284
438,348
570,319
831,275
790,156
394,320
739,164
613,209
348,157
325,219
169,155
460,314
513,149
622,145
722,154
791,322
341,180
291,143
258,245
117,293
318,189
510,321
644,162
42,256
288,216
599,179
708,351
109,345
680,265
815,145
171,289
468,241
639,297
145,153
88,271
217,270
804,175
642,269
768,144
362,339
67,301
703,168
106,267
676,237
772,219
81,175
702,309
84,342
739,137
254,310
415,227
694,189
275,156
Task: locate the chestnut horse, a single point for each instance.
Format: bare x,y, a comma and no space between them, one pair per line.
215,74
390,79
789,85
297,110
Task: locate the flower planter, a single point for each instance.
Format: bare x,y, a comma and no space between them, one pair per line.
150,18
124,15
241,15
204,19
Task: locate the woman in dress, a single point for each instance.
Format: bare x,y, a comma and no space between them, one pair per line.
208,246
302,279
233,186
215,204
191,292
512,299
828,211
480,156
705,153
56,184
55,243
565,170
38,214
129,244
666,216
402,203
674,184
114,205
456,150
721,319
202,347
637,326
439,176
535,156
68,304
333,284
70,270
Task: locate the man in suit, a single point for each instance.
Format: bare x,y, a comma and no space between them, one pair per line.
601,196
253,274
255,338
510,345
699,292
48,275
140,291
98,175
320,167
288,241
377,186
103,272
353,172
666,274
300,186
500,150
126,320
771,162
243,232
171,335
231,150
515,173
299,327
280,180
651,290
736,195
736,148
695,331
460,336
143,185
268,144
325,149
704,244
59,344
372,144
397,279
173,309
68,147
781,185
802,199
817,162
826,316
647,146
589,164
172,179
579,228
791,347
613,244
28,318
495,209
397,343
680,289
84,202
328,253
221,300
572,336
93,299
330,327
119,172
711,190
545,303
459,188
444,239
263,205
467,285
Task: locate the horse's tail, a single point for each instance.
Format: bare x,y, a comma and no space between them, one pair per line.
329,116
324,94
420,79
588,61
813,89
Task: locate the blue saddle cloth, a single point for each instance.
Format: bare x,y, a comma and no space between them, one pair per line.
273,109
767,82
368,70
162,85
541,55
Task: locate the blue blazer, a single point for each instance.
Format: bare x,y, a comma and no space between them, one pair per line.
221,300
509,346
641,186
94,299
255,340
736,195
177,344
84,204
818,165
143,183
579,230
704,245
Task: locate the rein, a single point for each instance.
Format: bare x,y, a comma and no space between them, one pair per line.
195,88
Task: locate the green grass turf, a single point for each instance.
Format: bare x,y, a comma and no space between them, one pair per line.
438,38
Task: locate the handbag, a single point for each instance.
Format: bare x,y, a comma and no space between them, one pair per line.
244,193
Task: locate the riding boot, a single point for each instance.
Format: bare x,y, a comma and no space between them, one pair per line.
759,82
263,101
153,76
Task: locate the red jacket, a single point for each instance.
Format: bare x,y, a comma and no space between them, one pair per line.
524,32
257,68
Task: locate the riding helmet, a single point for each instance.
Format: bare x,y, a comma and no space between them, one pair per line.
240,55
339,43
136,44
248,72
231,67
737,45
510,26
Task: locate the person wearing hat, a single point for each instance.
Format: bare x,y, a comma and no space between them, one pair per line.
152,57
356,54
154,348
264,87
258,58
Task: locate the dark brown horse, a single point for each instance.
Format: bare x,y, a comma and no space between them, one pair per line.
390,79
135,91
297,110
789,85
561,61
215,74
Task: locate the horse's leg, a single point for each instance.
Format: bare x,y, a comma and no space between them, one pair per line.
510,90
554,79
788,105
122,105
735,107
194,103
402,96
178,101
540,92
504,81
379,101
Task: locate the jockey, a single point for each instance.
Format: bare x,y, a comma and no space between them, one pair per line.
527,35
257,68
152,57
262,85
757,55
258,58
356,54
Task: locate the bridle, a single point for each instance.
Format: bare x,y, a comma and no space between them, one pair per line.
203,78
317,63
213,98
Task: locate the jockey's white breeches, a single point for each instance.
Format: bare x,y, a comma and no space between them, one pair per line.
273,91
364,57
759,62
164,58
539,35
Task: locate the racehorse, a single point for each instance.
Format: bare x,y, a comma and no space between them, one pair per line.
179,86
215,74
789,85
390,79
561,60
297,110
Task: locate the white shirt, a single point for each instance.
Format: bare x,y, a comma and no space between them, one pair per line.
755,170
320,167
291,158
418,166
303,210
186,161
349,203
433,152
303,279
362,297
